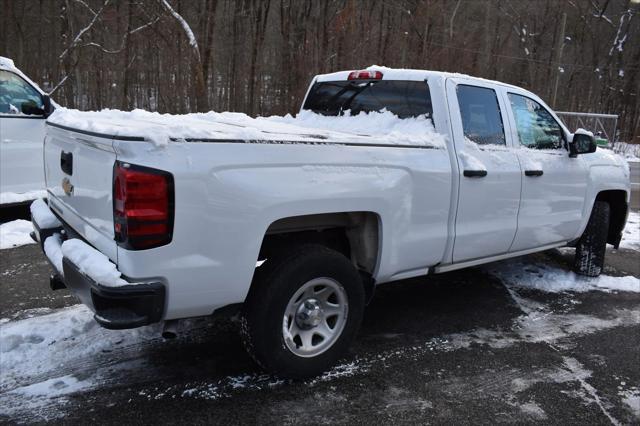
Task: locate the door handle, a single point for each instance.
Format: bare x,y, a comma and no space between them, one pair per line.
533,172
474,173
66,162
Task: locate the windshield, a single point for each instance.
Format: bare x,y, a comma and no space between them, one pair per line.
403,98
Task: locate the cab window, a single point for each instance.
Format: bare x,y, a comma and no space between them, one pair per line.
403,98
14,92
481,116
537,129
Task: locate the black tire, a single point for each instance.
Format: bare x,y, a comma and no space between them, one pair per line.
591,247
274,285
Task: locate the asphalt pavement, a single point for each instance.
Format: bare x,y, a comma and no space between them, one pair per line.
459,348
634,172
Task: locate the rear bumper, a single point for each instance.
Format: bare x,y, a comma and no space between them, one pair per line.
115,307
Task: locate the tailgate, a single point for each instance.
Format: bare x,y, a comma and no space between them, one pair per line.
79,175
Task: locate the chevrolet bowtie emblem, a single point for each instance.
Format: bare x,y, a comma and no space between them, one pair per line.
67,186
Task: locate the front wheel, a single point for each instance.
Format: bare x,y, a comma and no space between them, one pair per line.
591,247
302,312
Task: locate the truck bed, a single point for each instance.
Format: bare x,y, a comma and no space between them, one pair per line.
367,129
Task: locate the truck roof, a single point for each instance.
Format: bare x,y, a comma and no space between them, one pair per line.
405,74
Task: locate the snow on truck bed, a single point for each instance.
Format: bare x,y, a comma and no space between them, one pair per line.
365,128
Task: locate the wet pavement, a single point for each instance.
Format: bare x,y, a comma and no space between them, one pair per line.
462,347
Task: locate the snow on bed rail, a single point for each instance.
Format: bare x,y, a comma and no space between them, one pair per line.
366,128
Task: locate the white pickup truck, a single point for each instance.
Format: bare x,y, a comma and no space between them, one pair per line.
155,218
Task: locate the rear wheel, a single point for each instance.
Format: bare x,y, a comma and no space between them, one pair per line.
591,247
303,310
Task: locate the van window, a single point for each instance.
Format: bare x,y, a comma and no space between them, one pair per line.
481,117
14,91
536,126
402,98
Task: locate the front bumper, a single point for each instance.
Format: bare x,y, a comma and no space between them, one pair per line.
121,307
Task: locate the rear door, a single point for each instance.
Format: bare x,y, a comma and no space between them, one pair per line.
490,175
554,185
79,176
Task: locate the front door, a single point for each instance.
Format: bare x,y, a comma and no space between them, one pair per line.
490,175
554,185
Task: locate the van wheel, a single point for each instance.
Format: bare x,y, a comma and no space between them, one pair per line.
591,247
302,312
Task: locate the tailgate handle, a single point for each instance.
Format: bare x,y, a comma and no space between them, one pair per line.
66,162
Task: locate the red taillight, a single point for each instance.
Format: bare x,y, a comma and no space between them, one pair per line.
365,75
142,206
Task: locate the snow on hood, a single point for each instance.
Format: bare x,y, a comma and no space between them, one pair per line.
372,128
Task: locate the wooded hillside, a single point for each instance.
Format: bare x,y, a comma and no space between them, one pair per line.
258,56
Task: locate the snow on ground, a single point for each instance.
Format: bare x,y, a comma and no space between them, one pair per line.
631,233
46,358
521,273
15,233
42,358
14,197
372,128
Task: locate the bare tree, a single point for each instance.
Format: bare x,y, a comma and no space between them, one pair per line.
202,104
259,56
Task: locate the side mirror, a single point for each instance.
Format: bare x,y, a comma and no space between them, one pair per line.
582,143
48,106
31,108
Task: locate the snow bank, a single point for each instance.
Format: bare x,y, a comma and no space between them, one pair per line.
41,213
631,233
15,233
628,150
519,274
20,197
372,128
92,263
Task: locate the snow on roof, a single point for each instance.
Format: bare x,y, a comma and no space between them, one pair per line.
7,63
406,74
371,129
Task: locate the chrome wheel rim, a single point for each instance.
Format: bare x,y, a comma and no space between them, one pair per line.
315,317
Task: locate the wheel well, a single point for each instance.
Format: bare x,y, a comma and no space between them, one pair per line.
617,200
354,234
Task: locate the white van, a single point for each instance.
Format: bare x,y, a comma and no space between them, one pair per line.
24,108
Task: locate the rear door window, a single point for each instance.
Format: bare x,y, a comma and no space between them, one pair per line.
403,98
481,117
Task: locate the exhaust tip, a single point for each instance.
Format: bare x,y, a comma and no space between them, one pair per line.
170,329
56,282
169,335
